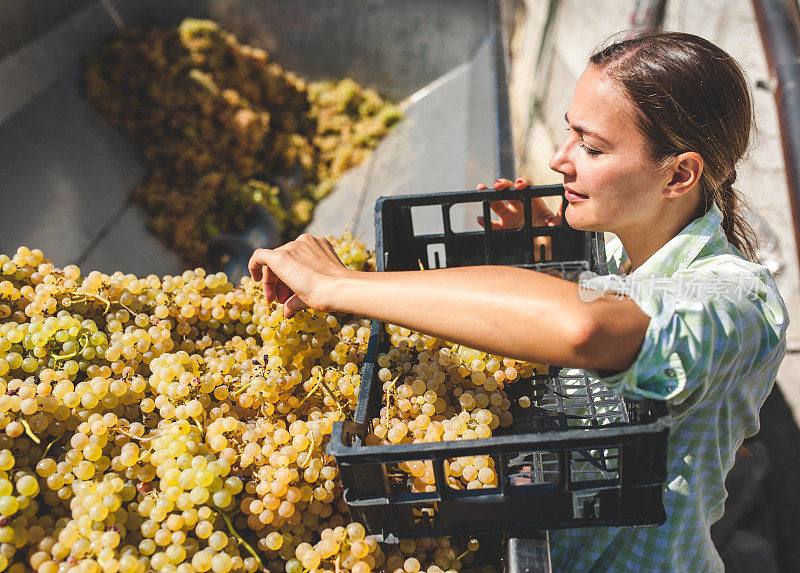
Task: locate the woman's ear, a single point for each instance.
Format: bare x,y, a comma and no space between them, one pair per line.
686,169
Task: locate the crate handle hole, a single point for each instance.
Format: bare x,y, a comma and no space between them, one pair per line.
427,220
437,257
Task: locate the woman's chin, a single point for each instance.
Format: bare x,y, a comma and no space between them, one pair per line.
577,218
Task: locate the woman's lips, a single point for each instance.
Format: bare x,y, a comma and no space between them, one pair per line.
573,197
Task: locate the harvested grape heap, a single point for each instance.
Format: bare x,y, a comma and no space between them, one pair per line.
224,130
179,424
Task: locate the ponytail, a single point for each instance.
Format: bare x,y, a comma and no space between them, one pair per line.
739,232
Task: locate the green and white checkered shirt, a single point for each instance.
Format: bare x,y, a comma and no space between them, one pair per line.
716,337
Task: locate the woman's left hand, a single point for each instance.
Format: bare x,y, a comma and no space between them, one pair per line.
299,274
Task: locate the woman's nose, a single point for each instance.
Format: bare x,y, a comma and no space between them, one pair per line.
560,161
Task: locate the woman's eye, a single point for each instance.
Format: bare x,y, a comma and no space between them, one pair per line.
591,152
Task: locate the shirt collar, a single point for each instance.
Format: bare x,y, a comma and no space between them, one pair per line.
683,248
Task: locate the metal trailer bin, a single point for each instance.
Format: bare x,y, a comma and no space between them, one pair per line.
66,175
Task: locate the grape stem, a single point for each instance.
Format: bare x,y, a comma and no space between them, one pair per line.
235,393
29,431
240,540
86,296
144,454
310,393
311,447
141,439
390,395
465,552
50,445
238,391
330,393
84,343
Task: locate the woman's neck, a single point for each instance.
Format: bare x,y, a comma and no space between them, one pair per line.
647,238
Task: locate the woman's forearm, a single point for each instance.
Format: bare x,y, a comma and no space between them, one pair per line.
508,311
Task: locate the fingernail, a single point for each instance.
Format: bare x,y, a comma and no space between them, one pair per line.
519,180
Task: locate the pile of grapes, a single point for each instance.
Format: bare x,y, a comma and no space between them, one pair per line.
224,130
179,425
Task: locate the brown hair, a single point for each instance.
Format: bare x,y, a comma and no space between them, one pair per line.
691,96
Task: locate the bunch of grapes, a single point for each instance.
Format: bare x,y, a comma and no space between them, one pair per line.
179,424
225,130
435,391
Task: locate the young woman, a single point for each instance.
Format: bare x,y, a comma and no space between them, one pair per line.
655,129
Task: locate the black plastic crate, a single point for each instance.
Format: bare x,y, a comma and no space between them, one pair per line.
579,456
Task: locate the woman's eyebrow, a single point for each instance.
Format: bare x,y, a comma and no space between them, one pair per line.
584,131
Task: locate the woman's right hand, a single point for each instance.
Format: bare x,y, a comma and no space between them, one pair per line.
300,274
512,214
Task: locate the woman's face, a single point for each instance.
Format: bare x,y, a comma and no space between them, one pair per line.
611,182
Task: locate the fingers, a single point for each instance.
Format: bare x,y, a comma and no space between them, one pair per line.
261,271
560,211
502,184
255,263
502,208
328,246
557,217
258,265
520,183
498,225
282,292
495,224
269,284
292,306
507,209
296,271
511,214
542,215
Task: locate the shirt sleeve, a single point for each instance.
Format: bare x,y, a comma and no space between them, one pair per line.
694,338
